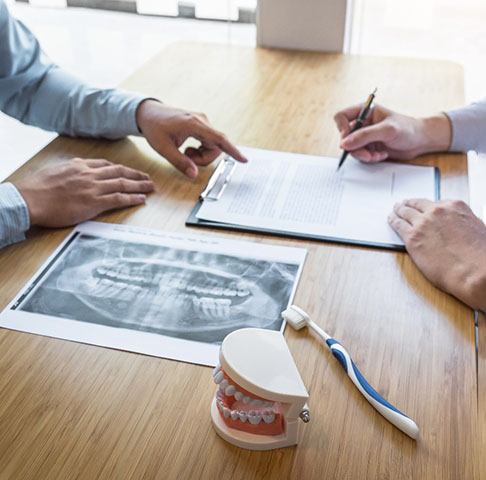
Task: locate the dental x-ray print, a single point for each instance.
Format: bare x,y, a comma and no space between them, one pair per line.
193,294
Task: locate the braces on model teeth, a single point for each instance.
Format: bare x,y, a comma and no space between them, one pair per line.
260,402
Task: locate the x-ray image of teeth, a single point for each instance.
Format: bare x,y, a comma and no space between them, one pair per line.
175,292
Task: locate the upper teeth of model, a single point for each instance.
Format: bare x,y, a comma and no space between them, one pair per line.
266,409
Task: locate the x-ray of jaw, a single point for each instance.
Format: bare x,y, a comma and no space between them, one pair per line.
175,292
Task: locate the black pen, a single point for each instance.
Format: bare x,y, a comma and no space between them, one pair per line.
359,122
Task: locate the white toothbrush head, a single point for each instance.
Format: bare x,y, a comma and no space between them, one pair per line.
295,317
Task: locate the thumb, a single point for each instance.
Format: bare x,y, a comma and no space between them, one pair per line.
182,162
380,132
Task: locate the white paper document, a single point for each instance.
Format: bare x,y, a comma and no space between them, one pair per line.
304,194
162,294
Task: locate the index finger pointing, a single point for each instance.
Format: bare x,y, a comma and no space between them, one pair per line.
210,138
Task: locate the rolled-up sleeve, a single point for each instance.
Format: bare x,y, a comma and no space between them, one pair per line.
14,215
37,92
469,127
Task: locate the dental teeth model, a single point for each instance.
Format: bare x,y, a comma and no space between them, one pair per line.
261,400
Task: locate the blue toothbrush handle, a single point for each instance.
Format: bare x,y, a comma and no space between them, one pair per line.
392,414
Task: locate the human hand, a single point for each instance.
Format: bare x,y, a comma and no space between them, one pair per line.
167,128
387,134
447,242
77,190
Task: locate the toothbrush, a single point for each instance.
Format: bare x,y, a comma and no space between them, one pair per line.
298,319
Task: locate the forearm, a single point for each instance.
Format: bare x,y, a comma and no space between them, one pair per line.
435,133
14,215
426,135
59,102
458,130
35,91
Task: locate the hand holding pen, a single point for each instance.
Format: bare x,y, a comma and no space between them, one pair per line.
391,135
362,116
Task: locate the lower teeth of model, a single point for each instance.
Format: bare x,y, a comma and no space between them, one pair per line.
251,416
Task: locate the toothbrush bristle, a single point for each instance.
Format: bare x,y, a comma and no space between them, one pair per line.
294,318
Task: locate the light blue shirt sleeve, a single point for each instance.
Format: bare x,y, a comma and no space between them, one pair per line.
469,127
14,215
35,91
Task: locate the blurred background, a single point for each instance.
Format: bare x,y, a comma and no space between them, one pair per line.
103,41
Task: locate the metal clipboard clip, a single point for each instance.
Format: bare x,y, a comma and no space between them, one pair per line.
219,179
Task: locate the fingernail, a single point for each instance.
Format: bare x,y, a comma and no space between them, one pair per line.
141,198
191,172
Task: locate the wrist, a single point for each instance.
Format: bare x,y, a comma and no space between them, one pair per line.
476,290
33,208
14,212
144,112
435,133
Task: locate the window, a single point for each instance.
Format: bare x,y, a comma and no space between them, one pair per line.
233,10
440,29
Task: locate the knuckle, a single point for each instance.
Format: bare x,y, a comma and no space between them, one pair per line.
439,209
458,205
391,128
87,196
220,137
79,167
415,237
121,185
358,135
119,198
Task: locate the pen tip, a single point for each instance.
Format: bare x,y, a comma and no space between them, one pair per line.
375,90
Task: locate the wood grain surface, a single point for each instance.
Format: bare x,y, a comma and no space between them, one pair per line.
481,325
72,411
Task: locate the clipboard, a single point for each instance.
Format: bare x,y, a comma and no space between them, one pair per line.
221,178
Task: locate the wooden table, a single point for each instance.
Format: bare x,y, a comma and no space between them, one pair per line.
78,411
